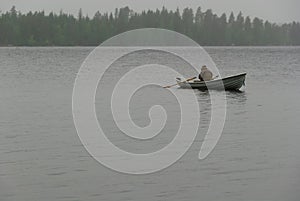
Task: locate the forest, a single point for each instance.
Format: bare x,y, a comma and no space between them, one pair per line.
205,27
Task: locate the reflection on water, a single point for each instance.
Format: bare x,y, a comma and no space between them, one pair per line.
238,96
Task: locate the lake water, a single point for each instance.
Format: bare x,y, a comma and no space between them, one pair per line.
256,159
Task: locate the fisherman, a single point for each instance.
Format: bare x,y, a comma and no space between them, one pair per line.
205,74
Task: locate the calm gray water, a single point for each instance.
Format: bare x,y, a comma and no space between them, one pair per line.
256,159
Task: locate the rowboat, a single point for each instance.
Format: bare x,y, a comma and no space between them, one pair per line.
234,82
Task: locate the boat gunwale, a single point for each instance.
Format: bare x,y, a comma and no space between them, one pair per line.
210,81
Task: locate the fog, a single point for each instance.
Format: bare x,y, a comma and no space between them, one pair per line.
279,11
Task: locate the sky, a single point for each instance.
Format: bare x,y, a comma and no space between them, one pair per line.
279,11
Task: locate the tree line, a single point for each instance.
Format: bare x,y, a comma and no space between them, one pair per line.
205,27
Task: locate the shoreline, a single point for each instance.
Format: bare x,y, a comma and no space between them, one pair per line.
206,46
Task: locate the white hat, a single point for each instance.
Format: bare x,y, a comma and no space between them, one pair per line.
204,67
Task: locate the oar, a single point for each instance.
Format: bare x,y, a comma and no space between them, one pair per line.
181,82
215,77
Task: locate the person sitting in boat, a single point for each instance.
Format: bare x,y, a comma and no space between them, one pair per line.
205,74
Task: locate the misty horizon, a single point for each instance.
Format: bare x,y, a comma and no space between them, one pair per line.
134,11
204,27
279,12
